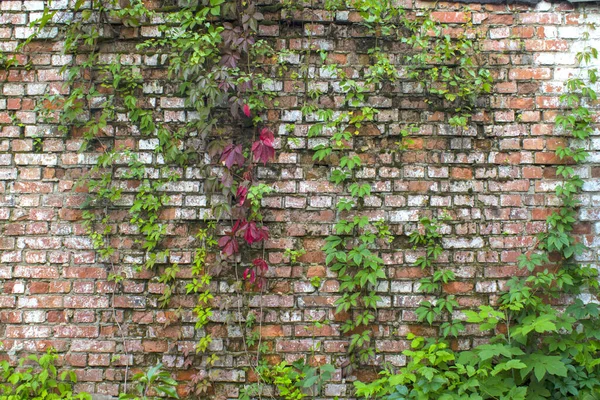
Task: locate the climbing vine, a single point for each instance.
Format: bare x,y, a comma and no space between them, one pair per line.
224,74
448,70
217,66
204,56
535,350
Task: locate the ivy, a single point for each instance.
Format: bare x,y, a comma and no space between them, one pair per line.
534,351
224,73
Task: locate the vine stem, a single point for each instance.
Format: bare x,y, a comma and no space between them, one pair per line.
115,318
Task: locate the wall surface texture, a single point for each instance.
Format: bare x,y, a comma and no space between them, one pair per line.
494,180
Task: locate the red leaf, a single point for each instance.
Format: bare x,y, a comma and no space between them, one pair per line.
229,245
249,272
246,109
248,175
267,137
242,192
232,155
239,226
264,233
263,149
262,152
261,283
254,234
230,58
261,264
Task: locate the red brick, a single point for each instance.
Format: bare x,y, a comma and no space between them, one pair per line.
40,302
271,331
27,332
93,346
451,17
11,317
71,331
462,173
86,302
548,158
540,18
85,272
155,346
36,272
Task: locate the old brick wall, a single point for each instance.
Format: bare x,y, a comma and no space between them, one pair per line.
494,180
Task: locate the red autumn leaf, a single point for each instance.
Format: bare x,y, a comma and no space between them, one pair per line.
242,192
230,58
261,264
267,136
250,273
229,245
253,234
261,282
246,110
256,273
263,149
232,155
264,233
262,152
239,226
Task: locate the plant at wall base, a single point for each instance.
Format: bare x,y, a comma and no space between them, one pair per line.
299,380
535,350
153,384
38,378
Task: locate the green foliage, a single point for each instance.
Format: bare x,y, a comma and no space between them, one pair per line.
449,68
255,195
294,255
153,384
442,307
299,379
38,144
359,269
37,378
535,350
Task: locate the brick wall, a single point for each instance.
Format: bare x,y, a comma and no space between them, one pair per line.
495,180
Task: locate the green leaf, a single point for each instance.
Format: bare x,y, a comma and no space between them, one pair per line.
515,393
542,364
487,351
507,366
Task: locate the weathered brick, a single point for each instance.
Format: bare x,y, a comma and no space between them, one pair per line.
93,346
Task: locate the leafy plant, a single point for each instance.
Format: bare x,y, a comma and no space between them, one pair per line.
535,350
37,144
38,378
155,383
297,380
